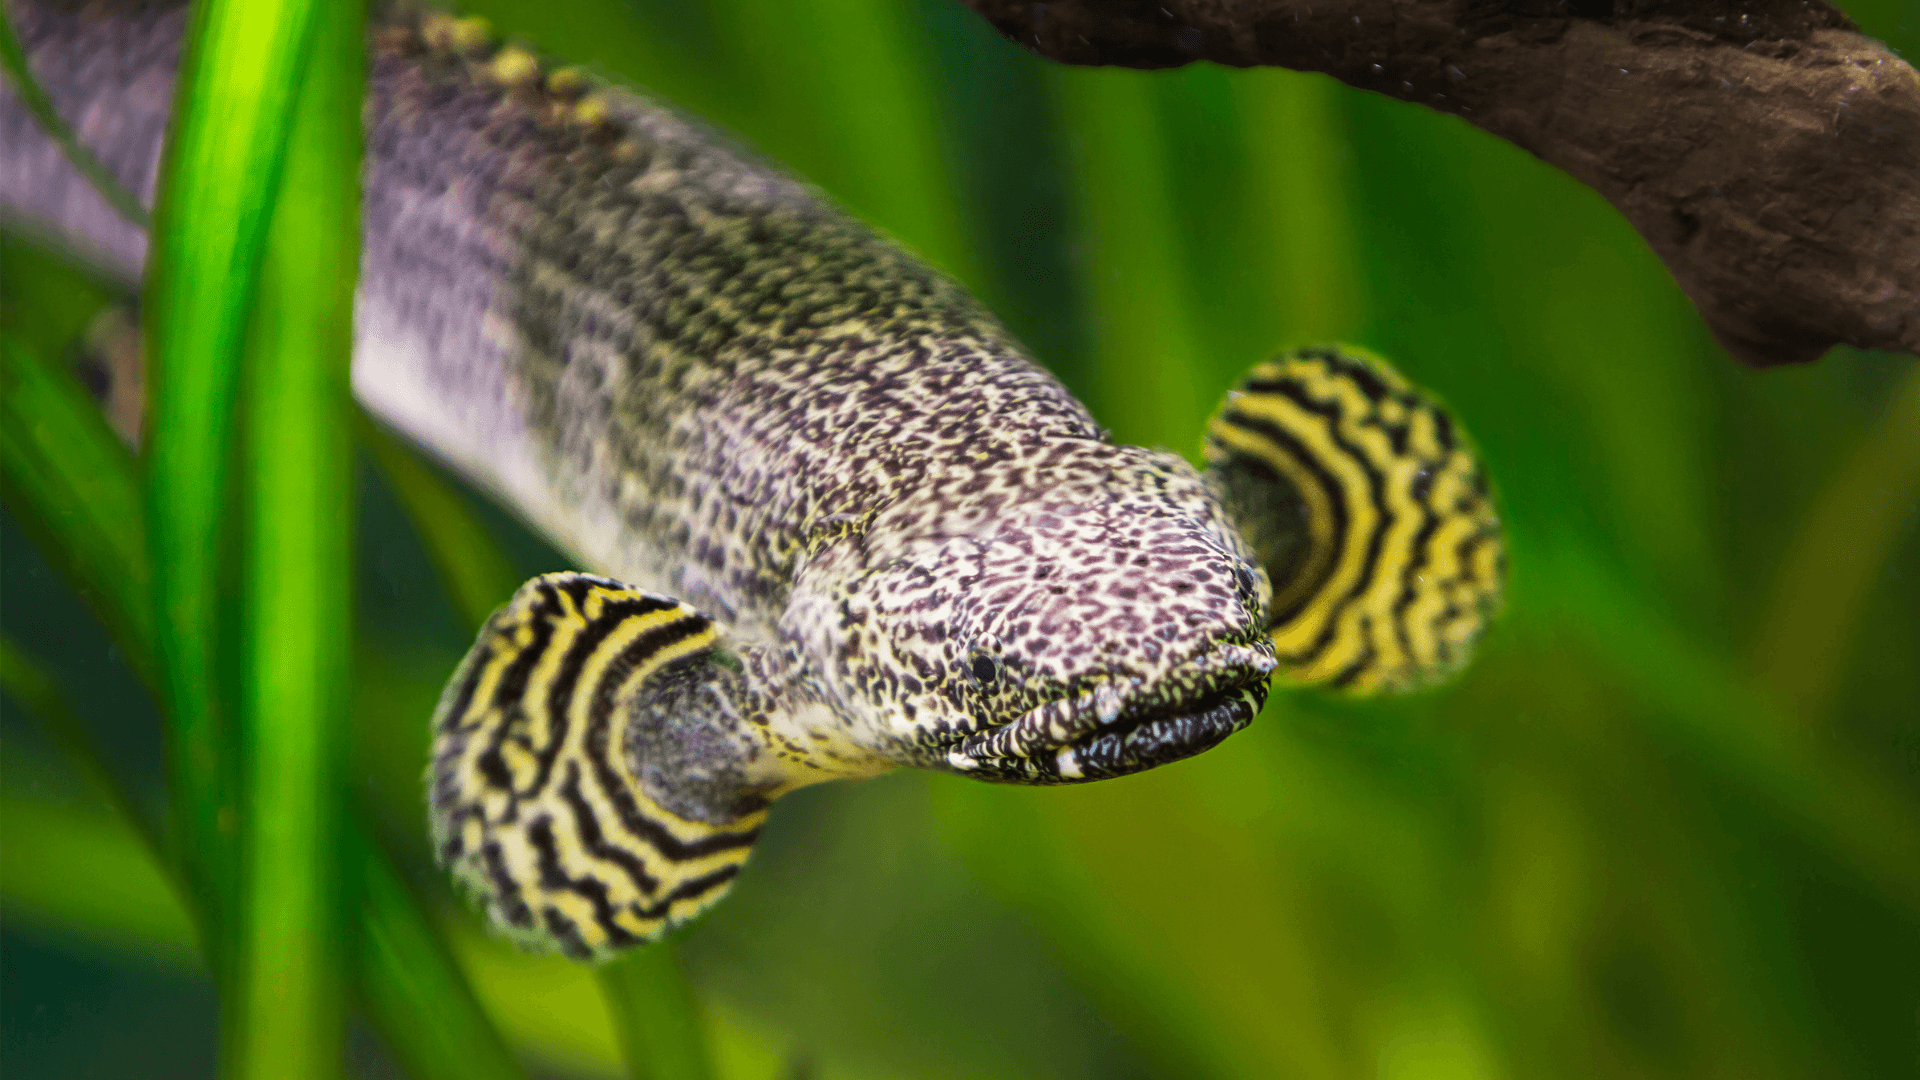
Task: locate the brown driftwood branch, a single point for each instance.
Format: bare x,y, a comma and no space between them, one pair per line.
1765,149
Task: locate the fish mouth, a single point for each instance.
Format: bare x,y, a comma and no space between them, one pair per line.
1118,726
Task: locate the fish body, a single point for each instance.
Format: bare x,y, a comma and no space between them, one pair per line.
840,521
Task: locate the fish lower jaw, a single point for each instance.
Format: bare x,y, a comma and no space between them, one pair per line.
1134,744
1100,735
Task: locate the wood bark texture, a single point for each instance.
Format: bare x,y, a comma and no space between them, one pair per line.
1768,152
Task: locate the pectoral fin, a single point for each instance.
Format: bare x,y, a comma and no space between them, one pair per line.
1369,510
540,799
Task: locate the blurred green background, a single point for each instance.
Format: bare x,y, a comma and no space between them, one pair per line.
1667,825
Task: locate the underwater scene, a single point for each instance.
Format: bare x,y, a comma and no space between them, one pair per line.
1640,797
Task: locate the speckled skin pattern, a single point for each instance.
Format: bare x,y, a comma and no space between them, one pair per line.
914,547
697,376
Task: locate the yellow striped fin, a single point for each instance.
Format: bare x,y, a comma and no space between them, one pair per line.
534,801
1370,512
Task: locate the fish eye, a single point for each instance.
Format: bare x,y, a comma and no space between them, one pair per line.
984,669
1253,590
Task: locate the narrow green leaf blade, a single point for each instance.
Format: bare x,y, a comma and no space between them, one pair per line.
1847,535
77,488
1150,383
78,493
405,965
81,875
287,1000
23,679
477,574
13,60
655,1015
1297,208
232,108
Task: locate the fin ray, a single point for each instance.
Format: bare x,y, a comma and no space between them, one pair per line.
1371,514
534,804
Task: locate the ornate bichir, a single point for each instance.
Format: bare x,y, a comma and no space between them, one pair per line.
846,523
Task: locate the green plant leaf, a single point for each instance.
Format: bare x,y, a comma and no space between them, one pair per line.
240,68
86,875
477,574
416,994
1148,381
1296,195
82,874
63,474
14,61
1843,541
286,1000
655,1015
23,679
79,493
